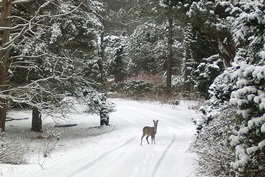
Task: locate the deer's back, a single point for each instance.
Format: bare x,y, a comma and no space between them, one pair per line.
149,131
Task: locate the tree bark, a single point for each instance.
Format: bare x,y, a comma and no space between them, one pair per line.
4,56
36,120
170,47
187,85
101,61
226,61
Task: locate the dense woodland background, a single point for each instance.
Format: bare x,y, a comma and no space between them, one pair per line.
156,49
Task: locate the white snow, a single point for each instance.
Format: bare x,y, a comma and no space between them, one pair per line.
243,158
261,144
234,140
114,151
263,128
252,149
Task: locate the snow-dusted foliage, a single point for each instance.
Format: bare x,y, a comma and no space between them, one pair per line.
65,50
238,96
11,152
212,141
56,53
116,54
137,88
241,88
208,42
248,22
35,71
206,72
248,96
149,49
97,103
248,93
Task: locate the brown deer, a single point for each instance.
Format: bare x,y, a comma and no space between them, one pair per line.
150,131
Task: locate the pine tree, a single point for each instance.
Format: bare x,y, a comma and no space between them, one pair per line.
240,88
206,36
54,55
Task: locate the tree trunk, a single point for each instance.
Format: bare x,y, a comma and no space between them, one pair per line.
36,120
187,85
226,61
170,48
101,63
3,111
4,56
104,117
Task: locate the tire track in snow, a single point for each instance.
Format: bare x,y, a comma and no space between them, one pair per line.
163,156
157,115
90,164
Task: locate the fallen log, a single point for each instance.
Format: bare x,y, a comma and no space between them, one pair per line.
11,119
66,125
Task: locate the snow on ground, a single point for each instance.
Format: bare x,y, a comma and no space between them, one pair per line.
87,150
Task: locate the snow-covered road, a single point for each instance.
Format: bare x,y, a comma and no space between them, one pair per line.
118,153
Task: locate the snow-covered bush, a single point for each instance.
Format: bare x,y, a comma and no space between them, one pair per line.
240,88
206,72
238,95
11,152
116,55
155,79
148,49
248,96
138,88
212,142
50,137
97,103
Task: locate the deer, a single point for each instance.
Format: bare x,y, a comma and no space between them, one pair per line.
150,131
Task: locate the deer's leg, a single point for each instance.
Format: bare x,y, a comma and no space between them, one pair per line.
154,140
147,139
142,138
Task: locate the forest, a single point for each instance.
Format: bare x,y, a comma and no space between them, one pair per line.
165,50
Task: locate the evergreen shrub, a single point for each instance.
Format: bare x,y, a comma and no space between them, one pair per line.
138,89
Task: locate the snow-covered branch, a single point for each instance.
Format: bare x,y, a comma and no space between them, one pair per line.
36,20
19,1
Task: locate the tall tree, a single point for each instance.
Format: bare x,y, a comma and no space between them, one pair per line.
206,36
170,44
54,54
4,57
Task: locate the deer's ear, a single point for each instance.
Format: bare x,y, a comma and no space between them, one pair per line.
157,121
